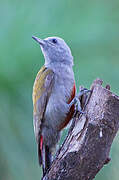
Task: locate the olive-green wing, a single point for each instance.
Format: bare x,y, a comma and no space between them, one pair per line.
41,92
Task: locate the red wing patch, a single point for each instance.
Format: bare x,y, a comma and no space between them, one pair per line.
71,111
72,93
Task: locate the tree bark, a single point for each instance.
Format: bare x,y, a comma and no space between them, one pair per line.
87,146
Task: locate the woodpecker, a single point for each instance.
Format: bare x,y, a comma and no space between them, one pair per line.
53,91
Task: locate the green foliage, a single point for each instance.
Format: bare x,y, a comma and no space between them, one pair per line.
91,28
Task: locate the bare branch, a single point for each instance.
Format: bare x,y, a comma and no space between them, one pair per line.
87,146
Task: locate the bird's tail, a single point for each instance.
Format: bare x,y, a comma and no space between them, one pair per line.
44,156
40,148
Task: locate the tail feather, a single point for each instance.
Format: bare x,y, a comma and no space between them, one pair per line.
46,159
44,156
40,148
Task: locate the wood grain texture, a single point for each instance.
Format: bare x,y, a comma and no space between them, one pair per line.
87,146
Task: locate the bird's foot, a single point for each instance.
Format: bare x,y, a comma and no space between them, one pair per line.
82,92
76,101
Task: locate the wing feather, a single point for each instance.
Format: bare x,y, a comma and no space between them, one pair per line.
41,92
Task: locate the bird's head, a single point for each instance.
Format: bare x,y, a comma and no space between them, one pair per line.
55,50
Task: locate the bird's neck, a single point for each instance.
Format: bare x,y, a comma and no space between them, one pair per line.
62,70
58,65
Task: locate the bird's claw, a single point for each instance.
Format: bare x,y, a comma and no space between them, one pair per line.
76,101
77,104
84,91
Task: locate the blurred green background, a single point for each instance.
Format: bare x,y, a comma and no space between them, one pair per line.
91,28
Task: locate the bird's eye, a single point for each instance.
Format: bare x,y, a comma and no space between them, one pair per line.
54,41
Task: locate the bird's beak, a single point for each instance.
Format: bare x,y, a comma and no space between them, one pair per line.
40,41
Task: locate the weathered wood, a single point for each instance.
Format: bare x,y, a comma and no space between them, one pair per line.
87,146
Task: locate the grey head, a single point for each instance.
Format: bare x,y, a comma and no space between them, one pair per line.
55,50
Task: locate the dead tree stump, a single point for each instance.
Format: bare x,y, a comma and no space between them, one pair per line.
87,146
